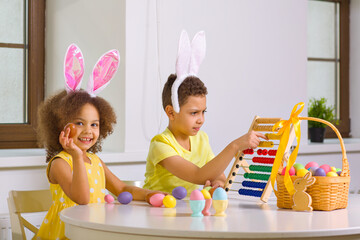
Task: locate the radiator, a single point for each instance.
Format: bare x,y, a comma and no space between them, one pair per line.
5,227
5,224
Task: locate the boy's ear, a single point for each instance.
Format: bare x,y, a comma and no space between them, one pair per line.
170,112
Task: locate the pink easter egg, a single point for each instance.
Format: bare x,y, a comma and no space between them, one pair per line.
157,199
196,195
291,171
108,198
311,164
326,168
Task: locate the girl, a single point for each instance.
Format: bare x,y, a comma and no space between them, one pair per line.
76,174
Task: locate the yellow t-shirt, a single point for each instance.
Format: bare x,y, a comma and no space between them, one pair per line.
164,145
52,227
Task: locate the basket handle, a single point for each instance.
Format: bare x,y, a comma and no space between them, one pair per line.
345,164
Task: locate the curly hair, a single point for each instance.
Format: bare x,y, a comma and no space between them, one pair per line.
191,86
60,109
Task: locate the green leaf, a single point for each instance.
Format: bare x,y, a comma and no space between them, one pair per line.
318,109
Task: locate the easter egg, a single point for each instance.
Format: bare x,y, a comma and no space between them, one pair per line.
72,129
338,173
169,201
298,166
332,169
326,168
311,164
320,172
211,191
291,171
332,174
219,194
206,194
125,197
109,198
338,169
312,170
301,172
196,195
157,199
179,192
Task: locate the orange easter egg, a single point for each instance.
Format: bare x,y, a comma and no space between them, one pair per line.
72,129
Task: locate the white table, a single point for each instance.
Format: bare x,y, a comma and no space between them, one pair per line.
246,218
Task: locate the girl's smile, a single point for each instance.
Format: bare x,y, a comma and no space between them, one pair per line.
87,127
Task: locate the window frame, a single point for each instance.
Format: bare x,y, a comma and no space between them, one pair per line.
344,43
24,135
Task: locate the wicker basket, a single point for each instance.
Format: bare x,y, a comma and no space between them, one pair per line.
328,193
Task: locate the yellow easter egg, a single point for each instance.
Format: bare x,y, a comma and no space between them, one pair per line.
331,174
206,194
333,169
301,172
169,201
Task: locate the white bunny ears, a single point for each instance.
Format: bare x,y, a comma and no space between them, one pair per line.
104,70
188,62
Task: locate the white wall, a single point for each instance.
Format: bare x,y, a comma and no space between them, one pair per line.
96,27
254,61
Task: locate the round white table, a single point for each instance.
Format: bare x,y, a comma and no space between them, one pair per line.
246,218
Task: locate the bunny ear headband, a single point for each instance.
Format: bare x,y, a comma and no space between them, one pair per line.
104,70
188,62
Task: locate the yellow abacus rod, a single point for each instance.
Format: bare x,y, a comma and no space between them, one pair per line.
263,128
273,136
268,120
269,144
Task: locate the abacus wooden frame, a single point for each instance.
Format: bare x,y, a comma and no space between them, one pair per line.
244,164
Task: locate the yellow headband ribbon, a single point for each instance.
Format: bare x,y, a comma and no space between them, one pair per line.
284,131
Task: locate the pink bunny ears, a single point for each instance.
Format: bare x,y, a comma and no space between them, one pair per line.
104,70
188,62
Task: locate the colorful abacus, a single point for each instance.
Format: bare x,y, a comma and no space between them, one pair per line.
258,173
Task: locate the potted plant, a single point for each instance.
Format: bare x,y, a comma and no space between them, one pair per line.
318,109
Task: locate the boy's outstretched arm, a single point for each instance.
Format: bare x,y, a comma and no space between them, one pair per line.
212,170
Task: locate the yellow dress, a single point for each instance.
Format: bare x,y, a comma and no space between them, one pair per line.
52,227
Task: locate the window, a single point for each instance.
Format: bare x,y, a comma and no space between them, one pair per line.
328,57
22,51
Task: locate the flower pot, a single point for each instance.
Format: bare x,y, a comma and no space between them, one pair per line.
317,134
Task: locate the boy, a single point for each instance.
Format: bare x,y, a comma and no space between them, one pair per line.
181,155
